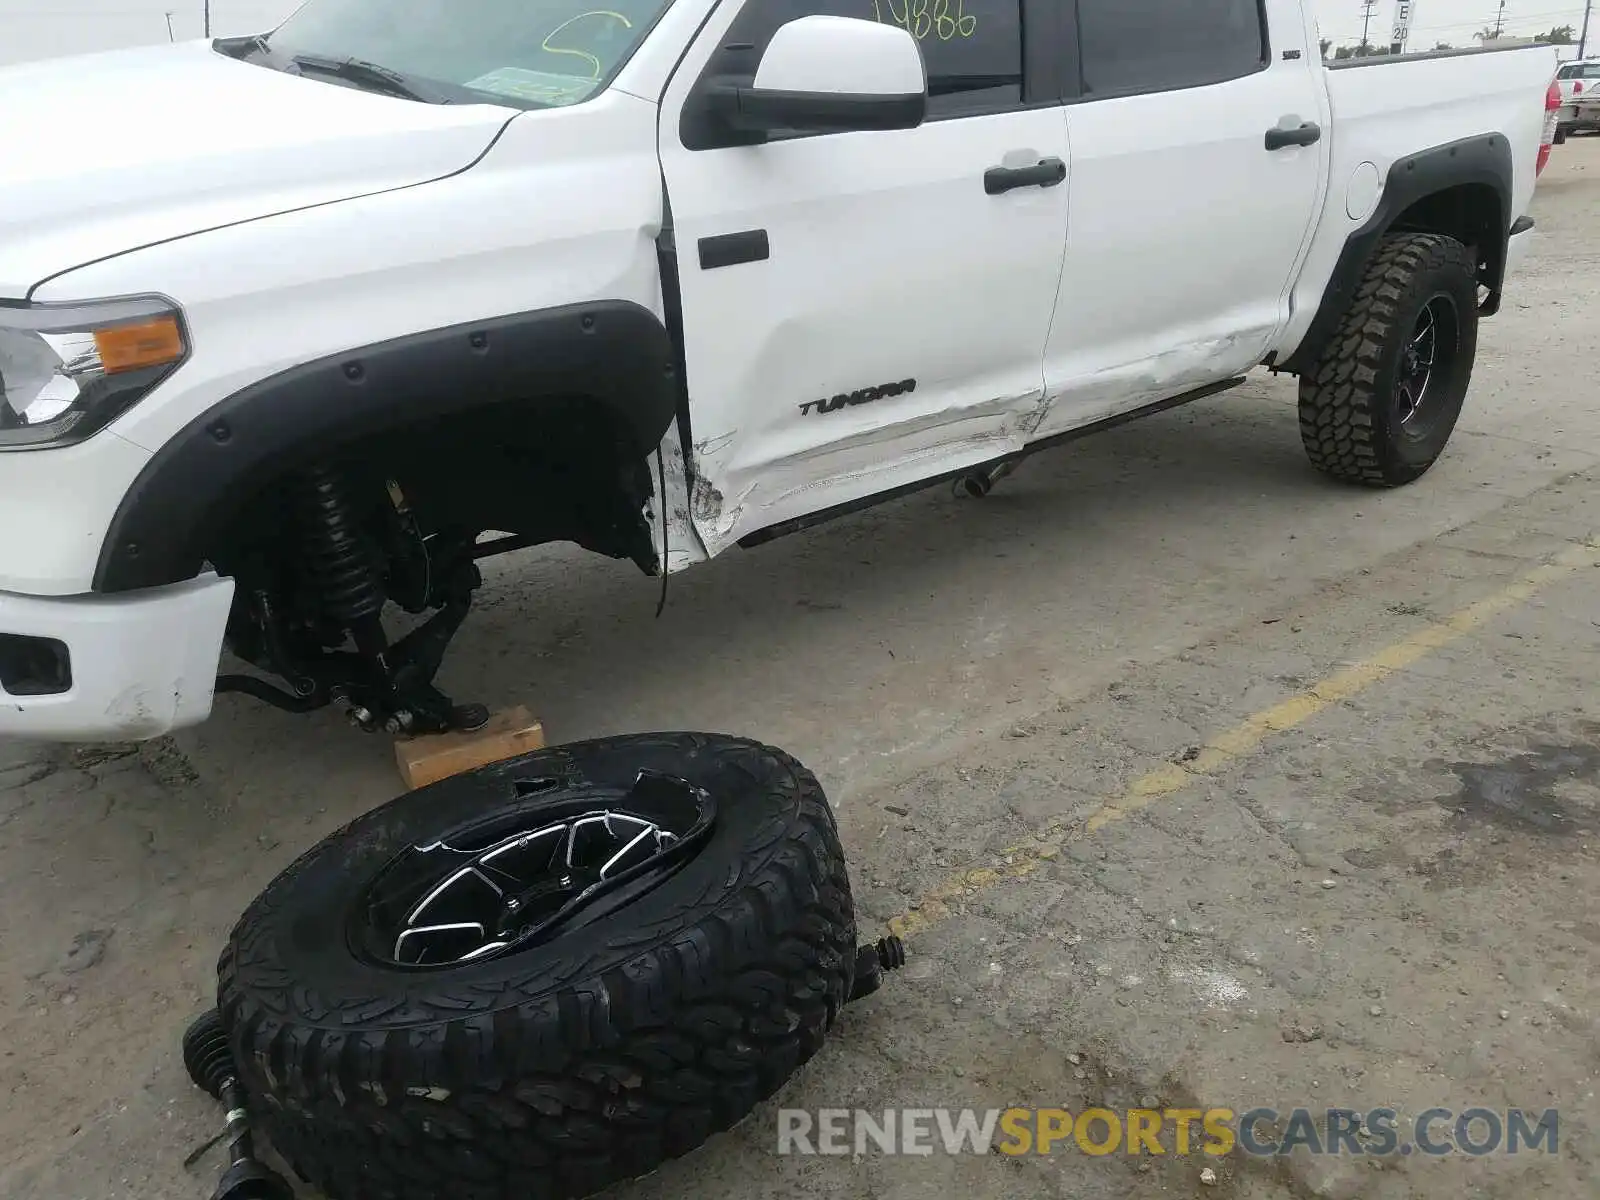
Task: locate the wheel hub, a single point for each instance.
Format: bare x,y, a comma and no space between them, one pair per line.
480,908
1426,353
491,890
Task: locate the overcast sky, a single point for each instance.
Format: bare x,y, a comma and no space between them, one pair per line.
43,28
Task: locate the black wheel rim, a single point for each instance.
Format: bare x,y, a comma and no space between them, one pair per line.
1427,362
520,878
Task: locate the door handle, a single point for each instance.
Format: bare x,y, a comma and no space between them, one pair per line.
1047,172
1308,134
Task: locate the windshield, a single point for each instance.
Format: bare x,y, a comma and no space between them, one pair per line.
528,53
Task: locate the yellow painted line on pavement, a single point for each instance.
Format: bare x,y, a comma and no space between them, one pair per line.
1244,739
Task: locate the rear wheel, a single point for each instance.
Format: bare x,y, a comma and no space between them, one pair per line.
1383,399
546,976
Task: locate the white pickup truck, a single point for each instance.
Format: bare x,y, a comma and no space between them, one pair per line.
296,328
1580,98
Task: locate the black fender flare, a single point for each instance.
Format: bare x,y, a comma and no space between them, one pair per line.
616,352
1484,159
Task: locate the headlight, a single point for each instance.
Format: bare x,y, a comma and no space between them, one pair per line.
67,371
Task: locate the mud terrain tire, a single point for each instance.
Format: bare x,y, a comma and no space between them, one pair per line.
1350,419
553,1071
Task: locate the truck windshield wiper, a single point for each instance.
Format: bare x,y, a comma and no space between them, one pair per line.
368,74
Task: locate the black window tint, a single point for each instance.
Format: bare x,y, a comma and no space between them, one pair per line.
972,48
1158,45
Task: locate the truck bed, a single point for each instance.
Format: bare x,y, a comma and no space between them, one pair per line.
1438,97
1386,108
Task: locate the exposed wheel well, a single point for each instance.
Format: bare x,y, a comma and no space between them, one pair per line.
546,417
340,533
366,479
559,469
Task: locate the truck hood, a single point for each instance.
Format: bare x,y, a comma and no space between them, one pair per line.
105,153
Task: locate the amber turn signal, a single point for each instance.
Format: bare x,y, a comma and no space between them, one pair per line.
153,343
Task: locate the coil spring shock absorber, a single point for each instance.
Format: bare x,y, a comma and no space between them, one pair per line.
351,586
382,685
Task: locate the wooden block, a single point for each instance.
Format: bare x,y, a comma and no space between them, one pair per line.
426,760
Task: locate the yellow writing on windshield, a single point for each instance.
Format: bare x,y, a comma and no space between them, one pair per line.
594,63
945,19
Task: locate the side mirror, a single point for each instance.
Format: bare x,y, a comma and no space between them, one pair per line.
830,74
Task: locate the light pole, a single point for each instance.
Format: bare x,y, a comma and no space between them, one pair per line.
1367,7
170,36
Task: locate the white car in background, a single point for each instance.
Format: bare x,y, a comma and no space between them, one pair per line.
1580,98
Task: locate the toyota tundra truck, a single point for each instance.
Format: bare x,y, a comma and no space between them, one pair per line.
297,328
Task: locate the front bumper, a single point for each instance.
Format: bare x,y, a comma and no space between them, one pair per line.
127,666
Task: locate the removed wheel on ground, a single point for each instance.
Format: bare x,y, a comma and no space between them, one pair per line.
1383,399
545,976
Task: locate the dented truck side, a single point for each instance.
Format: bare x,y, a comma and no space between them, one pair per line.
767,262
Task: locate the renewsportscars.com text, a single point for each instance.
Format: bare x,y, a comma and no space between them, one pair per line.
1259,1132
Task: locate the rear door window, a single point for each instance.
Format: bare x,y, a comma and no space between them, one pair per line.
1135,46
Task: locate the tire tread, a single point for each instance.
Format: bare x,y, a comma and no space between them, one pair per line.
559,1094
1340,403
